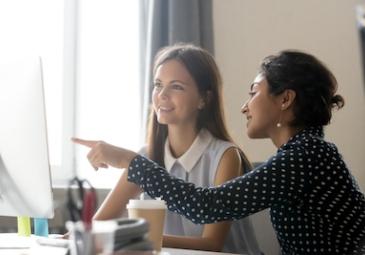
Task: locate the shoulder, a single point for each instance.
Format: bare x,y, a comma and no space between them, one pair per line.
307,155
231,156
316,148
230,165
230,151
210,146
311,140
220,151
219,146
224,158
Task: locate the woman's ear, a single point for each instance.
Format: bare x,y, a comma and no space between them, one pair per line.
288,97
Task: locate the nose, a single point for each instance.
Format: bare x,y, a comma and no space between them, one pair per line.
244,107
163,93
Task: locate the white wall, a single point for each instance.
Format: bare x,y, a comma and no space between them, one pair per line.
247,31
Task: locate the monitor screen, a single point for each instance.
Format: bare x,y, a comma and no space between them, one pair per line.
25,179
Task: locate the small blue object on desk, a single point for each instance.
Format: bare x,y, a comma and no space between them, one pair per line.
40,226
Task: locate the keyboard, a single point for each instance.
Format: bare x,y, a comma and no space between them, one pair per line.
55,242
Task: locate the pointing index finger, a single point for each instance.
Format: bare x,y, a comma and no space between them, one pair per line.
87,143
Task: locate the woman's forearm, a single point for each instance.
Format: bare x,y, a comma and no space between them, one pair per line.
115,203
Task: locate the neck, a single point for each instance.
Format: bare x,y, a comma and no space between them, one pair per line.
283,134
180,139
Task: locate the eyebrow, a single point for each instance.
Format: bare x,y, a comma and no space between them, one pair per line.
179,82
183,83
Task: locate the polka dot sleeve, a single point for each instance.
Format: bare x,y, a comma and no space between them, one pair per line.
276,181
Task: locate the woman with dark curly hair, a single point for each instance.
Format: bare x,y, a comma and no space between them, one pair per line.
315,203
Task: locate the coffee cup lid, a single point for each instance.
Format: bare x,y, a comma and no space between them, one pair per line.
146,204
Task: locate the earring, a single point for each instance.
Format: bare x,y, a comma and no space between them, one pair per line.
279,123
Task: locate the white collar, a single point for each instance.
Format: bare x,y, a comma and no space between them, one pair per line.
192,155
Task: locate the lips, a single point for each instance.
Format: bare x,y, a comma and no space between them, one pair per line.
163,109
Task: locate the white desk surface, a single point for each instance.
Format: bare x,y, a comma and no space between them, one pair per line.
12,244
20,245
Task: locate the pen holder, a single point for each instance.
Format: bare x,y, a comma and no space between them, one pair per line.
81,239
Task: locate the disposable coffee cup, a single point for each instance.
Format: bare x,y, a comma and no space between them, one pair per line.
153,211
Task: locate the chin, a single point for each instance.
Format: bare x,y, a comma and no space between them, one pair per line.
165,121
254,134
250,134
162,122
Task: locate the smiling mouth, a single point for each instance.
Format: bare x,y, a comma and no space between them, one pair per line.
165,109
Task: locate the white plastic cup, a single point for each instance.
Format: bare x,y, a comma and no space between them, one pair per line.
153,211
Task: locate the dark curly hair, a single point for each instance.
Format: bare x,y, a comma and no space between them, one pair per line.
314,84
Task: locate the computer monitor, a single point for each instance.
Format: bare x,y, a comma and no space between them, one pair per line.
25,178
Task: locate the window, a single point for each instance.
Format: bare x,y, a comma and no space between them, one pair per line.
36,28
108,96
90,54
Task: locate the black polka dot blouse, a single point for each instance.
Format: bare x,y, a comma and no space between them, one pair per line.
316,206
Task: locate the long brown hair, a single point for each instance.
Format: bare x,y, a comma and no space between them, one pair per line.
204,70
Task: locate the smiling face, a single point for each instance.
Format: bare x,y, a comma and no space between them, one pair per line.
176,99
262,110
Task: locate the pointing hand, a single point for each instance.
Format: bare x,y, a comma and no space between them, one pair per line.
102,154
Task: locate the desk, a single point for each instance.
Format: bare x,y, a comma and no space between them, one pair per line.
28,246
12,244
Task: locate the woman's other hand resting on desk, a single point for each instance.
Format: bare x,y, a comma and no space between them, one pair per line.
103,155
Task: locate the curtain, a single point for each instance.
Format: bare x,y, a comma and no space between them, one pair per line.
166,22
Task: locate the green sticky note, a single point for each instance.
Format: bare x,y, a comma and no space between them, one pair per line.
24,226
